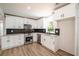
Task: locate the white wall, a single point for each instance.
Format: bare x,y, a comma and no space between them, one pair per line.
78,36
1,24
77,30
67,35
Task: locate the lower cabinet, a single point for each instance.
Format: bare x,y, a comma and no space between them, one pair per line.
5,43
34,37
50,42
12,41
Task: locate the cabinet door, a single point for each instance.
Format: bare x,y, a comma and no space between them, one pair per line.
14,22
50,43
11,41
65,12
21,39
56,42
33,24
34,37
20,23
40,23
56,15
25,21
46,41
15,40
18,40
17,22
9,22
69,10
6,43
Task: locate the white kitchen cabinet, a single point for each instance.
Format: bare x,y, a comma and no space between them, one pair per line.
34,37
50,41
25,21
9,22
11,41
31,22
6,43
18,22
64,12
21,39
57,14
18,40
56,43
14,22
40,23
34,25
69,10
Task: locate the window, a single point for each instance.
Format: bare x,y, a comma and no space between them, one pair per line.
49,24
50,27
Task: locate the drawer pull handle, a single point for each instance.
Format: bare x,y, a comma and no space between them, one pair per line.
8,40
44,40
62,15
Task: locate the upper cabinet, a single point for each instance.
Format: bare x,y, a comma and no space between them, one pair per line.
18,22
40,23
1,14
64,12
13,22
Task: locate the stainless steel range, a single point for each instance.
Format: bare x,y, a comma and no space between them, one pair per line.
28,36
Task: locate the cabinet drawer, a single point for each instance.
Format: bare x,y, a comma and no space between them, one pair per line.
6,43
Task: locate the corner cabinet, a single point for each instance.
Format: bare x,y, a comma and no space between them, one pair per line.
50,42
64,12
12,41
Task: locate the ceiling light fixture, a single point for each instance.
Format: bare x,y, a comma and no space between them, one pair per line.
28,7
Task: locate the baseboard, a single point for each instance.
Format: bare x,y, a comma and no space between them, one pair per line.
50,50
69,54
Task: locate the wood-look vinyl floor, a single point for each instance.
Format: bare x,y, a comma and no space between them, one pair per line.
28,50
63,53
33,49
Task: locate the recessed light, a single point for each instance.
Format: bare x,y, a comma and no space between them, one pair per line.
28,7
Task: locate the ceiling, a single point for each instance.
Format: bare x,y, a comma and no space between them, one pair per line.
30,10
